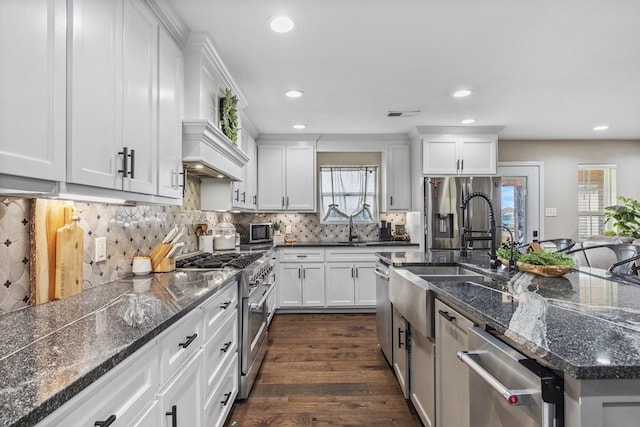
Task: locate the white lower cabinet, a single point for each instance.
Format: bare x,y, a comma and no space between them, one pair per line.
150,417
401,351
422,377
301,284
350,284
181,398
218,405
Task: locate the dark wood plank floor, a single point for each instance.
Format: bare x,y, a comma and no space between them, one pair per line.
324,370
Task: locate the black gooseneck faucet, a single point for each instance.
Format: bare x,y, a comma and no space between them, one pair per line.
493,262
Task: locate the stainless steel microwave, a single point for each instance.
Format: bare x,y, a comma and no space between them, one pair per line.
255,233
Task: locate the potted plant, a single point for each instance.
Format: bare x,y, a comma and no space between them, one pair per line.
276,227
624,218
229,116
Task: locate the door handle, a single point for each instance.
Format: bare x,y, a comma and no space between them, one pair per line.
174,416
400,332
446,315
107,422
125,164
132,156
189,340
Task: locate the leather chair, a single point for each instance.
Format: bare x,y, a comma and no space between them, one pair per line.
616,257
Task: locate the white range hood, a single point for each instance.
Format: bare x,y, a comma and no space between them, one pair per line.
207,152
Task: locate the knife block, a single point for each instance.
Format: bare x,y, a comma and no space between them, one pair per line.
165,265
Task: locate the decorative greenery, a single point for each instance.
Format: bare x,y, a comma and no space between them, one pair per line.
229,115
547,258
625,217
506,248
277,225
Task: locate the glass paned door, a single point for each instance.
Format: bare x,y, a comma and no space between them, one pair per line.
520,201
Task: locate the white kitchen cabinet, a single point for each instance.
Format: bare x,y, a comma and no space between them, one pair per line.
181,399
170,99
301,279
401,351
218,406
452,376
244,193
33,52
398,178
350,284
180,343
286,177
451,154
422,377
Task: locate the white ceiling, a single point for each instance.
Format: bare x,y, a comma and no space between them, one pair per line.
544,69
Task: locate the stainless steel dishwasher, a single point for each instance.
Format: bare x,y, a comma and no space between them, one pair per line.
384,311
508,389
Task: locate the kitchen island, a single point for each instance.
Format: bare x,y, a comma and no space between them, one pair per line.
584,325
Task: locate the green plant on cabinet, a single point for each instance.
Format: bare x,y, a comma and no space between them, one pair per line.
229,116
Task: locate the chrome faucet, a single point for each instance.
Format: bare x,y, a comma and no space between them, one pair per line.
352,234
493,262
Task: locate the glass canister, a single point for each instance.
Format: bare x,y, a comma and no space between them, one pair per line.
224,236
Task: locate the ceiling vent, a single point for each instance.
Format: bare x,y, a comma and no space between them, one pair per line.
403,113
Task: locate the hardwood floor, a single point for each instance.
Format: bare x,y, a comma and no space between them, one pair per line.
324,370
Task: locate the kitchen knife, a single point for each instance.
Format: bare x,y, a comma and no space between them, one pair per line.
176,238
170,235
173,249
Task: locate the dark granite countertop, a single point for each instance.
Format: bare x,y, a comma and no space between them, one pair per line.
338,244
52,351
585,323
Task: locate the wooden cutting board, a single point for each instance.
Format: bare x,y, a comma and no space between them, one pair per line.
69,252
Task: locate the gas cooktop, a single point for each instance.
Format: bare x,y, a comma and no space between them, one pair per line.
207,260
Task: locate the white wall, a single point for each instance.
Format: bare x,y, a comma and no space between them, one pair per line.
561,159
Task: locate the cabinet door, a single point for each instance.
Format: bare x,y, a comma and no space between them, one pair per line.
170,81
440,155
95,132
139,109
250,178
399,178
271,177
478,155
313,285
452,376
422,377
400,351
150,417
300,178
365,284
33,87
181,399
340,284
290,285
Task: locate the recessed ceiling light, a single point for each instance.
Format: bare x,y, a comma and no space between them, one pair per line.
468,121
220,176
300,126
601,127
461,93
282,24
295,93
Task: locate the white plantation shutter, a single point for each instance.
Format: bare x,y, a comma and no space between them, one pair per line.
596,191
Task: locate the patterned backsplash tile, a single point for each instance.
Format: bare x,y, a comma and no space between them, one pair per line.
135,230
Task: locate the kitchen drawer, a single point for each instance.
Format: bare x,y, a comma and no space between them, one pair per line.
218,307
123,393
302,255
219,350
351,254
180,343
219,403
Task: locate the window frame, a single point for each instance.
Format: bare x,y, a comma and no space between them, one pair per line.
373,196
609,194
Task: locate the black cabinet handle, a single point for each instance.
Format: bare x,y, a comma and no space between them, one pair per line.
461,165
227,396
189,340
174,416
400,332
132,156
446,315
356,272
125,163
226,347
225,305
106,422
255,199
184,181
244,197
391,200
282,202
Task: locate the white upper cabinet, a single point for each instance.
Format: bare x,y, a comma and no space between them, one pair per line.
33,88
112,142
170,78
286,177
398,178
451,154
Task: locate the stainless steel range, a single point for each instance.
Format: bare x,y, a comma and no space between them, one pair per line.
257,281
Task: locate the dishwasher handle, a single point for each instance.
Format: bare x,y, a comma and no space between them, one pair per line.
514,397
382,274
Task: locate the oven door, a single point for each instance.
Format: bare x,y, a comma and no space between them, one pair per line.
254,326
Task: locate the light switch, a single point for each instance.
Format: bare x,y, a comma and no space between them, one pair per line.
288,229
550,212
101,249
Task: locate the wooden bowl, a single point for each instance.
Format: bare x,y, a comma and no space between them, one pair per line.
545,270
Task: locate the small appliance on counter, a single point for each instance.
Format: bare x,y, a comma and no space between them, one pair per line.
400,233
224,236
255,233
384,231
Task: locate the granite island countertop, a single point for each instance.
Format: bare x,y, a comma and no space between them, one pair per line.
585,323
53,351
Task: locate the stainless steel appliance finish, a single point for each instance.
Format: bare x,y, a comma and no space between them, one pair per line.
443,197
507,388
257,282
255,232
384,311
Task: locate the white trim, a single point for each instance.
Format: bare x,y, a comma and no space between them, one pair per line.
541,205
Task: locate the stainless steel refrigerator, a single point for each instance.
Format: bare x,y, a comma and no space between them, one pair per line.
442,207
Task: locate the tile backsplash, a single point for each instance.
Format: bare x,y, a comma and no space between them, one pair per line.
135,230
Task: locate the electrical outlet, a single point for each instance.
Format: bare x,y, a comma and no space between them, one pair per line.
101,249
550,212
288,229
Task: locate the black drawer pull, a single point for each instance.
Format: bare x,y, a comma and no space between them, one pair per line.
106,422
225,305
174,416
227,396
400,332
189,340
226,347
446,315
